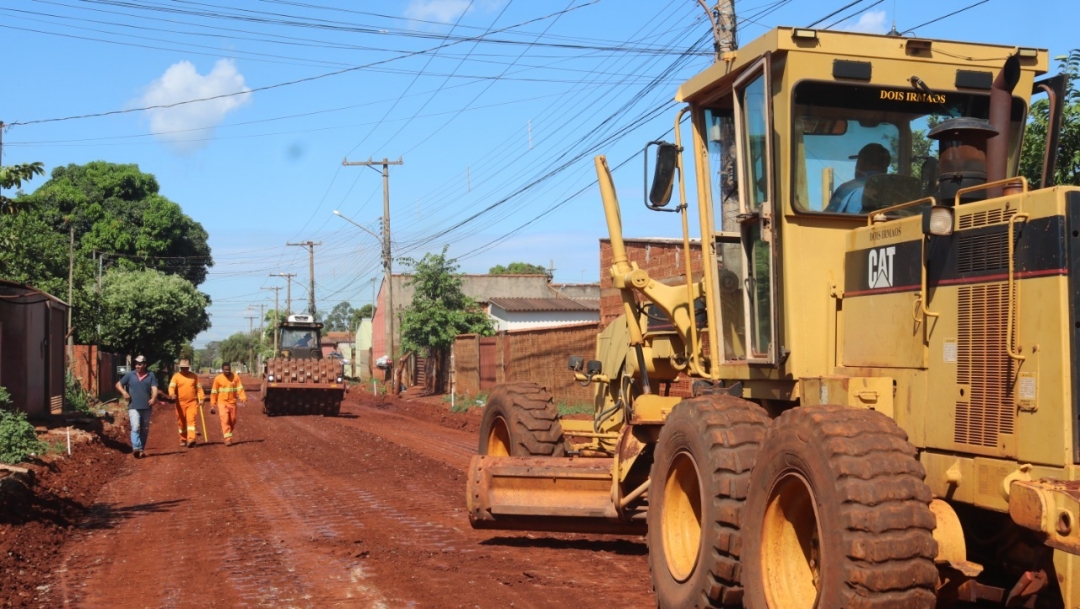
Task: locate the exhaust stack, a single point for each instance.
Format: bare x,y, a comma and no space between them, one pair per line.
997,147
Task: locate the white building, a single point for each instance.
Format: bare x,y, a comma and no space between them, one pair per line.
532,313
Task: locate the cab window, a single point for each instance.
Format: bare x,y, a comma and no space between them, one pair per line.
859,148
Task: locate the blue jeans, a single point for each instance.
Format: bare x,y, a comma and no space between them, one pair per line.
140,427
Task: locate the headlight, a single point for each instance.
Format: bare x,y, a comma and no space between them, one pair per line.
339,379
270,378
938,220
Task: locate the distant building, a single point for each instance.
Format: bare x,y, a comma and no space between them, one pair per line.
362,362
533,313
480,288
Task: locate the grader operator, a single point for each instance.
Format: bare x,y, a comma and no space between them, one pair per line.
298,379
884,352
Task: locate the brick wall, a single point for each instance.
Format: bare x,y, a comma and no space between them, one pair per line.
96,369
663,259
537,356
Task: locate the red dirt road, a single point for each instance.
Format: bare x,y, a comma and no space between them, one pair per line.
363,510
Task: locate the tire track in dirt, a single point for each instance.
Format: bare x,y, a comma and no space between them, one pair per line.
365,510
431,499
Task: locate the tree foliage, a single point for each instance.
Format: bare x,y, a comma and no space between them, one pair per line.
118,209
1068,161
237,349
340,318
365,312
207,356
12,176
115,209
439,310
151,313
519,268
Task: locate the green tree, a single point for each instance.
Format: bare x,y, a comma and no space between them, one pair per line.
439,310
519,268
1068,160
237,349
204,358
271,320
151,313
340,318
365,312
117,209
12,176
31,252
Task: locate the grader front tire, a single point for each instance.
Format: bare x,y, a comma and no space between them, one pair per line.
521,420
700,474
838,516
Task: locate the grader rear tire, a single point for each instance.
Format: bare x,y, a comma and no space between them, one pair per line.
521,420
700,474
838,516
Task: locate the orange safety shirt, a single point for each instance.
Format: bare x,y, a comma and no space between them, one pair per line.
185,387
227,392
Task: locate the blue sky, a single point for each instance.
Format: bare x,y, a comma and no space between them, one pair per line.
495,107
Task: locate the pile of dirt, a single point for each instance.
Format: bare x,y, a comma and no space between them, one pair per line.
428,408
39,508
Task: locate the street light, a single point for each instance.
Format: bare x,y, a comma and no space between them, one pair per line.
385,243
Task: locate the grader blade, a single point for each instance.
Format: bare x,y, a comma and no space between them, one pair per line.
545,494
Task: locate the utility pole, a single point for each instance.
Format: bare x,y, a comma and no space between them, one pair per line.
311,268
71,279
387,266
726,21
251,345
722,20
288,290
277,312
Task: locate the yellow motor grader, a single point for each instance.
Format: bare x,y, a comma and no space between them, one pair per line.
298,380
883,343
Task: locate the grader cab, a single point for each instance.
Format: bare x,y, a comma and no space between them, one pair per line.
298,379
882,345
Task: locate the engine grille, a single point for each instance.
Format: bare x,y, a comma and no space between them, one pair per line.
983,252
984,366
985,217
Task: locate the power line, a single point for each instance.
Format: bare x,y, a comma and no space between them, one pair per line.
970,6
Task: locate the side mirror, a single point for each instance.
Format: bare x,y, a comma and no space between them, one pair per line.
667,160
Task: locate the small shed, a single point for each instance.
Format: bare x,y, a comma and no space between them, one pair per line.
33,326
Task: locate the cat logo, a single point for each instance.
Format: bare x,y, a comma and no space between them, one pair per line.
881,267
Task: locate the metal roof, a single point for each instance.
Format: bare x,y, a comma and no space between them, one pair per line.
524,305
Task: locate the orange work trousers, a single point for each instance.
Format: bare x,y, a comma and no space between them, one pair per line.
186,412
227,414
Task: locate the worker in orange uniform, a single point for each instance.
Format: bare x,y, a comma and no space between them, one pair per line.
188,393
225,393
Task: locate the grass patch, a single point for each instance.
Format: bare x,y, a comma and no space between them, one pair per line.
567,408
462,403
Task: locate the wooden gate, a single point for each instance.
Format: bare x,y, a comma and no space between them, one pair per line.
489,361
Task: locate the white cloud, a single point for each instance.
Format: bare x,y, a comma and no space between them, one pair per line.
872,22
447,11
182,82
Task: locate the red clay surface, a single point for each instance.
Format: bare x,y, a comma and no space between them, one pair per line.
362,510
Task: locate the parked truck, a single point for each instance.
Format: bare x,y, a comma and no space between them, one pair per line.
298,380
884,403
